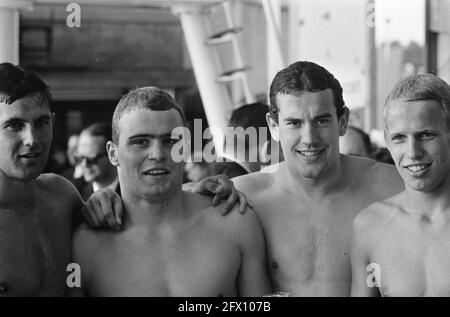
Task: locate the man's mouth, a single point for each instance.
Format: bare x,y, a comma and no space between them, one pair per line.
310,154
417,169
30,155
157,172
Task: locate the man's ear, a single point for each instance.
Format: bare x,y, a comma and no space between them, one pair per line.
343,121
274,128
111,148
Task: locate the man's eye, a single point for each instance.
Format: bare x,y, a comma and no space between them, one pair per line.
397,138
426,135
293,123
321,122
171,141
140,142
43,122
15,126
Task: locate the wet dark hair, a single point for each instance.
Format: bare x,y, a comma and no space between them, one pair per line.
17,82
302,77
151,98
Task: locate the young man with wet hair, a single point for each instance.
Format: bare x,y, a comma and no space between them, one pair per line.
307,206
37,211
403,242
173,243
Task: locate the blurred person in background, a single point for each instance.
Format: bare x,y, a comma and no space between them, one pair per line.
355,142
91,155
256,151
73,173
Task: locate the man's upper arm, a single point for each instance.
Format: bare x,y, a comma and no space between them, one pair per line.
253,279
360,258
81,253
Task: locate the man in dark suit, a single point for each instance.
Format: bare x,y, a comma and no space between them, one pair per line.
91,155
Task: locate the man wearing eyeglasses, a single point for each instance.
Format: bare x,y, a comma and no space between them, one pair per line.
92,157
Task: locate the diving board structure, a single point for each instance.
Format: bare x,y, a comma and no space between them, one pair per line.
203,43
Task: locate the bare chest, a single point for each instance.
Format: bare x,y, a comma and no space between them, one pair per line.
195,265
308,246
33,255
414,267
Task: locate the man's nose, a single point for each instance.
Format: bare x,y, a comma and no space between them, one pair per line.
309,134
29,136
414,149
157,151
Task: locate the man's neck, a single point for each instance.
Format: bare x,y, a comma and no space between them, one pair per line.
434,205
315,188
152,210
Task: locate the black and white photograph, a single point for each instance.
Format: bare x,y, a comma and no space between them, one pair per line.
224,153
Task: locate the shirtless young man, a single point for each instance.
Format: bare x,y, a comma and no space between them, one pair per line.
406,238
173,243
307,206
37,211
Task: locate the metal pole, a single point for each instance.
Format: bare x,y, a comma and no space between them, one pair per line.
216,101
275,59
9,29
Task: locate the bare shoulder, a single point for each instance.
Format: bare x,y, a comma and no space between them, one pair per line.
254,183
59,193
203,213
57,185
377,215
385,173
379,179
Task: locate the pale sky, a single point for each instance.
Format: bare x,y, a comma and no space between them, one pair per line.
406,20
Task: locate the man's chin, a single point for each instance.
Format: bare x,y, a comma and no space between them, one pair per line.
312,172
29,175
423,185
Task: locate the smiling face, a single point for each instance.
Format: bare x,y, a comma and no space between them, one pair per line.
25,137
418,138
143,153
309,130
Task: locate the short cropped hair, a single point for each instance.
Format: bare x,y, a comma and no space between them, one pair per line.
421,87
151,98
17,82
101,129
301,77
